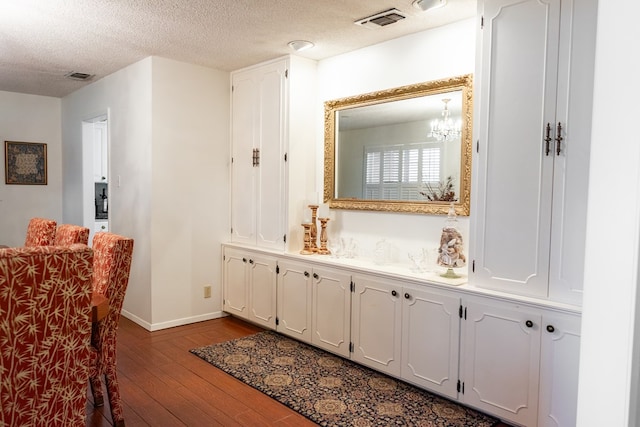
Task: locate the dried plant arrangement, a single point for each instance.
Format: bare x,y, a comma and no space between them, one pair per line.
442,192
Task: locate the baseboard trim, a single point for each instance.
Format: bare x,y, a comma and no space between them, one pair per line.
172,323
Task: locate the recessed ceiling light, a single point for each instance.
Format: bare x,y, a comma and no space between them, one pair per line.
425,5
299,45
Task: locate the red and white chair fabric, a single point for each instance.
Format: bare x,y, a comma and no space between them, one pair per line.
40,232
112,264
68,234
45,335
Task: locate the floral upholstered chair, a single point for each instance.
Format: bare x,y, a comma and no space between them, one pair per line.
68,234
112,263
45,335
40,232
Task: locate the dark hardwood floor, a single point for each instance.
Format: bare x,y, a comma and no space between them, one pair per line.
162,384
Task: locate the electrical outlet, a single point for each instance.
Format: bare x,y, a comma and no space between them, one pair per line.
207,291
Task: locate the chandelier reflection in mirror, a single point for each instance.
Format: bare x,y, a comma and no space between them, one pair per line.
446,129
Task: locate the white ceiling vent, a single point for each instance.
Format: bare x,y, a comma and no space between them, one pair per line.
381,19
79,76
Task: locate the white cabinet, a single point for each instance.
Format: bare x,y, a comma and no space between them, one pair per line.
100,226
407,332
314,305
100,153
266,127
249,286
520,363
531,165
559,362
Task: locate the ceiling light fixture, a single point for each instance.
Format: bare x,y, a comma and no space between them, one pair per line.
446,129
300,45
425,5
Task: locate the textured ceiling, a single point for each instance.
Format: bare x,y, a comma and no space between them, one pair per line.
42,40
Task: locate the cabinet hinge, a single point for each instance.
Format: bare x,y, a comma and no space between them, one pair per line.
351,347
477,146
460,311
284,238
482,22
277,269
285,157
231,230
460,387
353,286
277,321
286,74
232,160
473,266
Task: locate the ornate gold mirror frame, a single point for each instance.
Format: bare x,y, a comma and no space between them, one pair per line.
438,88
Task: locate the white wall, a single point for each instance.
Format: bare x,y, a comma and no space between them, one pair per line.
608,387
168,124
29,118
430,55
126,94
190,190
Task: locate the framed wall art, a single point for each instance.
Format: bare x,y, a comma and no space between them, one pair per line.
25,163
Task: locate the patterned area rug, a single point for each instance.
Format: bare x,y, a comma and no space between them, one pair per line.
330,390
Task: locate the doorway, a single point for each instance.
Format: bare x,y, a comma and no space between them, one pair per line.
96,196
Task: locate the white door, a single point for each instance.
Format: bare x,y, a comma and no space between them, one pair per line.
431,340
571,168
559,362
235,289
331,310
262,290
244,110
501,360
377,323
270,214
294,300
514,173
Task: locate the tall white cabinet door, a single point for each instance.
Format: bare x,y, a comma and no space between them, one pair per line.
262,290
294,300
571,172
235,283
258,118
244,111
501,361
514,175
331,310
270,215
377,324
430,340
560,356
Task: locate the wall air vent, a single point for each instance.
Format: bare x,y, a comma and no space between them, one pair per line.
79,76
381,19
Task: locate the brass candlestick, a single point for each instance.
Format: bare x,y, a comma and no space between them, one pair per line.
314,228
307,239
322,250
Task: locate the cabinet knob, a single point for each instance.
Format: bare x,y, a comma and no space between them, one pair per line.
406,295
394,293
315,276
529,324
250,261
244,260
306,274
103,227
551,329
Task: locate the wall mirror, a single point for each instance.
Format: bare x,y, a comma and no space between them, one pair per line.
406,149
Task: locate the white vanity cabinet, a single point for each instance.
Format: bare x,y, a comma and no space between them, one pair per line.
407,331
249,286
270,125
314,305
520,363
532,156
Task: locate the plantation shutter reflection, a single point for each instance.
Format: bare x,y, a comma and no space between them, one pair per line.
395,172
